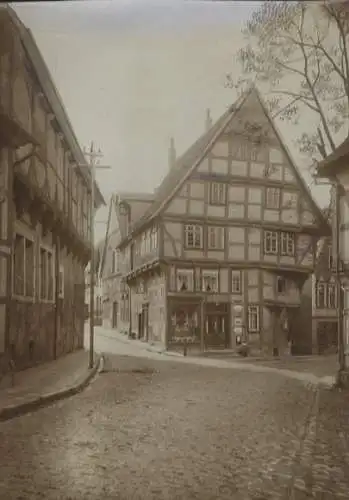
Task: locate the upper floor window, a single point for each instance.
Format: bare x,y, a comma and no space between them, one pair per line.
275,243
330,257
193,236
236,282
185,280
273,197
271,242
215,236
114,261
325,295
154,238
46,274
253,318
280,284
209,281
217,193
287,243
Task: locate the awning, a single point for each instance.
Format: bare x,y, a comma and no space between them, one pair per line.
12,134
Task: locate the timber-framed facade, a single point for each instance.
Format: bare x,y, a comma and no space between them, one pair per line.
222,253
45,201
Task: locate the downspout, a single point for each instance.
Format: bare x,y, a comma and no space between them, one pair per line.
57,287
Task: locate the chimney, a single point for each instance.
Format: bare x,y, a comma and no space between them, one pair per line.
208,123
171,154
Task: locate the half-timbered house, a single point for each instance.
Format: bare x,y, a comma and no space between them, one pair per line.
45,199
222,253
116,298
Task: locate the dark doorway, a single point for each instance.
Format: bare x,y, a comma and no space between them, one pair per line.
217,326
115,315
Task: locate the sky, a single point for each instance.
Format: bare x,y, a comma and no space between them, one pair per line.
134,73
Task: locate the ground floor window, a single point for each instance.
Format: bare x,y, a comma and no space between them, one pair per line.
253,318
185,323
46,274
23,266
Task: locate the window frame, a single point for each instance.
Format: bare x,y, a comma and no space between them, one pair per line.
272,202
219,235
271,237
209,274
218,193
255,308
48,251
195,230
26,236
189,273
234,275
285,250
281,279
61,282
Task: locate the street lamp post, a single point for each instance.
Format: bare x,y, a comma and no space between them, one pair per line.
93,157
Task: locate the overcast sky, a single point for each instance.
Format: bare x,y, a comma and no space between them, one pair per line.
133,73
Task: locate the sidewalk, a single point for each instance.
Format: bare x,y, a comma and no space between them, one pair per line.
45,384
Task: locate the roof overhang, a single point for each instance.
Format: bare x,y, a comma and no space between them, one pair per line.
336,161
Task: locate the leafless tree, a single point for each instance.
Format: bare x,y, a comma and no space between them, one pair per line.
298,53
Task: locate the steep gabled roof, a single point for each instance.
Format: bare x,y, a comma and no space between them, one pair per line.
45,80
187,163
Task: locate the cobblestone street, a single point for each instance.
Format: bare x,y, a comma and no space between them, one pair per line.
148,429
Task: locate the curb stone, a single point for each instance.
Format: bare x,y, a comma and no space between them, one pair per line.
9,412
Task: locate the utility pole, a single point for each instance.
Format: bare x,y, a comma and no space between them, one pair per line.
93,161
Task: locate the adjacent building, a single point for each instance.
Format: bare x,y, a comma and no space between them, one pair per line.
222,252
116,297
336,168
45,199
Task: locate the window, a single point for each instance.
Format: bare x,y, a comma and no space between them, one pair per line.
280,284
215,238
210,281
23,267
185,280
287,243
154,238
253,318
331,296
114,261
271,242
46,275
217,193
325,295
320,295
193,236
330,257
272,197
236,282
61,282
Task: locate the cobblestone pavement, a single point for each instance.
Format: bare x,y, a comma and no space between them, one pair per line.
152,429
323,469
